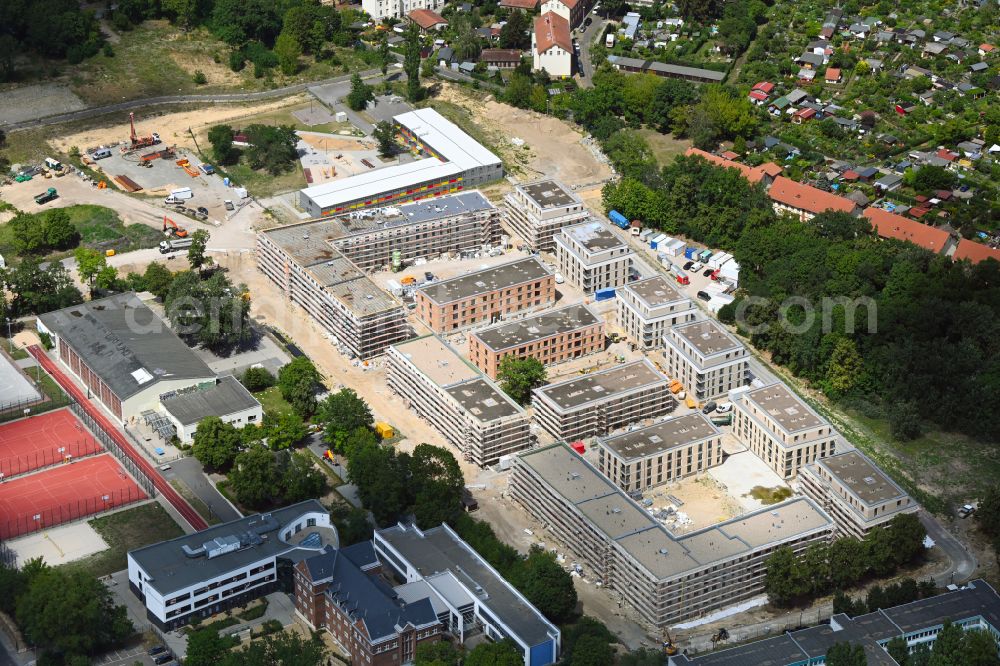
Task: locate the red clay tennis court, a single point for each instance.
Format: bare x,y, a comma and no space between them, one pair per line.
35,442
64,493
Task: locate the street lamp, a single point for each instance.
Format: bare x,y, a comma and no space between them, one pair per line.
10,336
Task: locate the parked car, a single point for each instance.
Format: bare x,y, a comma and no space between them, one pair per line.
966,511
708,272
155,650
428,276
697,266
202,210
705,296
688,265
163,658
709,407
724,407
229,205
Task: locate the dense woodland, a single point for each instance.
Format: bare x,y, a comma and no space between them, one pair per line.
934,354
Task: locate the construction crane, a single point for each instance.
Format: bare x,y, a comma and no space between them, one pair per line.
171,228
140,141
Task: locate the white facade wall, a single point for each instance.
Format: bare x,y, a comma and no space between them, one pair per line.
382,9
252,416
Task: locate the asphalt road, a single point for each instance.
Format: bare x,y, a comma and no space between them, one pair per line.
586,40
132,105
190,471
963,562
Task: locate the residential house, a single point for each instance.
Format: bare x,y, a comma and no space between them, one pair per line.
797,96
573,11
427,20
551,45
383,9
975,252
833,75
890,225
943,36
501,58
811,60
765,172
889,182
978,67
523,5
806,76
875,64
986,49
778,106
802,115
932,49
805,202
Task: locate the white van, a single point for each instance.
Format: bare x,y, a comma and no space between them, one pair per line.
101,153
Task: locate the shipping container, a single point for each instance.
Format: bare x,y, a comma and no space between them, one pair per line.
719,259
676,248
604,294
690,253
654,243
704,256
646,233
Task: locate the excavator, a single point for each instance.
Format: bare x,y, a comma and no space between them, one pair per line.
669,648
171,228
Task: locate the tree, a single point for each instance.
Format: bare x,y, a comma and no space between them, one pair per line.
548,586
286,648
504,653
384,54
411,63
846,654
514,33
518,376
257,379
929,178
899,650
642,657
784,580
216,444
211,312
255,477
361,93
978,648
88,264
382,480
904,420
8,54
908,535
196,252
206,648
60,234
342,413
70,613
288,50
946,650
845,367
386,137
271,148
298,381
591,650
237,22
221,139
301,480
352,524
36,290
440,653
437,484
283,430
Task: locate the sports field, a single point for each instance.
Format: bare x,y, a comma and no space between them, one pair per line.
39,441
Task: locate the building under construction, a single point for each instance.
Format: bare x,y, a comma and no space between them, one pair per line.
471,412
537,211
320,264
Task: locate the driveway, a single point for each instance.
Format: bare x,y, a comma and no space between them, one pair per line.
586,40
190,471
963,562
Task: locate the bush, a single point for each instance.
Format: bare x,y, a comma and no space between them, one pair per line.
255,613
237,60
109,51
257,379
199,77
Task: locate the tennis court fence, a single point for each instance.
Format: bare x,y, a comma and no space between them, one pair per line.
70,511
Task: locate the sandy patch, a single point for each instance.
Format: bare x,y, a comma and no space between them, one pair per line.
327,142
174,128
59,545
216,72
552,148
30,102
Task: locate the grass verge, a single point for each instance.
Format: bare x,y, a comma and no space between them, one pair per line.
664,146
272,402
263,184
195,502
124,531
770,495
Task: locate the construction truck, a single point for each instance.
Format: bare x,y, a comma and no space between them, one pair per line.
137,141
46,196
171,228
668,644
169,246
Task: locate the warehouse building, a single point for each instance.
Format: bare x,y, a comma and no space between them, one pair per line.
666,451
124,354
593,257
473,414
855,492
468,594
551,337
647,309
602,402
976,606
537,211
362,318
225,398
227,565
486,296
706,359
665,578
453,161
781,429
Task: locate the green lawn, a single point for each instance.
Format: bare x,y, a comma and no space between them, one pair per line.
272,402
664,146
100,228
263,184
17,354
125,531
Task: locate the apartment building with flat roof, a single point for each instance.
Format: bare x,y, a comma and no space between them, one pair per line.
666,578
706,358
666,451
975,606
648,308
551,337
537,211
780,429
593,257
855,492
473,414
602,402
486,296
362,318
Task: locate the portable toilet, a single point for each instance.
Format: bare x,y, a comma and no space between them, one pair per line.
384,430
